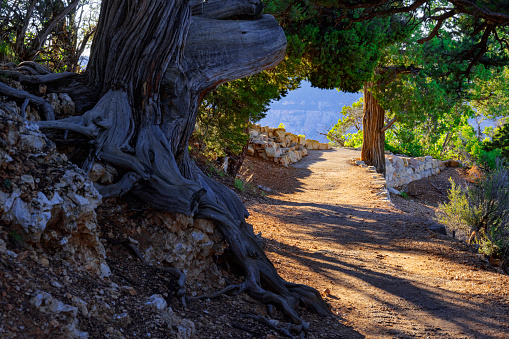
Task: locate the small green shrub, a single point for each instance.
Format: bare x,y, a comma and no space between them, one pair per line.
455,213
499,142
353,139
483,210
240,185
6,53
488,159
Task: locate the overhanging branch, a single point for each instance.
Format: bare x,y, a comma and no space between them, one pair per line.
389,124
436,29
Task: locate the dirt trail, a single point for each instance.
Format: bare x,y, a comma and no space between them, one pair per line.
383,273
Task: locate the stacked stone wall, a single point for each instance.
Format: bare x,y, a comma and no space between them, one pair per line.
279,146
401,170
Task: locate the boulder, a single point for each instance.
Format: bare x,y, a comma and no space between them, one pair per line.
272,152
437,228
280,133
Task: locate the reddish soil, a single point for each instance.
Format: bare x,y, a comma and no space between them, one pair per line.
382,271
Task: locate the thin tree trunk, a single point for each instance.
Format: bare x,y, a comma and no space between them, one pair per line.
373,147
446,141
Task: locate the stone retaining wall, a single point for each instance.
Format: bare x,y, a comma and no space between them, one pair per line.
401,170
279,146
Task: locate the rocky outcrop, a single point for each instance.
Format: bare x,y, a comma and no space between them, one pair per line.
279,146
67,314
165,239
50,205
47,202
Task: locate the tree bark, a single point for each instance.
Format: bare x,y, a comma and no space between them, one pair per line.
373,146
151,63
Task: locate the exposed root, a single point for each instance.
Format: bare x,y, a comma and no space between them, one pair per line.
243,328
154,176
124,185
36,79
68,126
272,324
181,282
240,288
43,105
24,108
34,67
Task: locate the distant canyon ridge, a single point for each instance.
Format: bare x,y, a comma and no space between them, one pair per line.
309,111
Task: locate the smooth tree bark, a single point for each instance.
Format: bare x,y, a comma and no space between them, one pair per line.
373,121
152,61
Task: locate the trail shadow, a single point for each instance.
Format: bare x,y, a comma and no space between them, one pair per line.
380,230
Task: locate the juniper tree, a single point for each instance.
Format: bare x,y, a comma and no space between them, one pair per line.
151,63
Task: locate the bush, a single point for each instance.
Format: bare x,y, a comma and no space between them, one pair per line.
454,214
353,139
240,185
500,141
483,210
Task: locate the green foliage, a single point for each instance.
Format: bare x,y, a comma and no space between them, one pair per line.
334,53
489,96
227,112
216,171
6,53
482,209
489,159
240,184
460,142
27,33
403,141
455,213
431,96
353,139
351,121
499,142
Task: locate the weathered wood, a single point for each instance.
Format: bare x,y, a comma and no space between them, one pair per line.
227,9
146,86
389,124
231,49
43,105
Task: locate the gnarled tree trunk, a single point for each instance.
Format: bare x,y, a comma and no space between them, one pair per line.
373,146
152,61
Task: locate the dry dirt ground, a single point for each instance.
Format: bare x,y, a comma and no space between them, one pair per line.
383,272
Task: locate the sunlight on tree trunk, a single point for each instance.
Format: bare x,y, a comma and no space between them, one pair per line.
373,153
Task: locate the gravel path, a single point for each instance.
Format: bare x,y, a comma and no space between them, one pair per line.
383,273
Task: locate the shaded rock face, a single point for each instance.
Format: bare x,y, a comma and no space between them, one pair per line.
50,204
182,242
165,239
47,202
